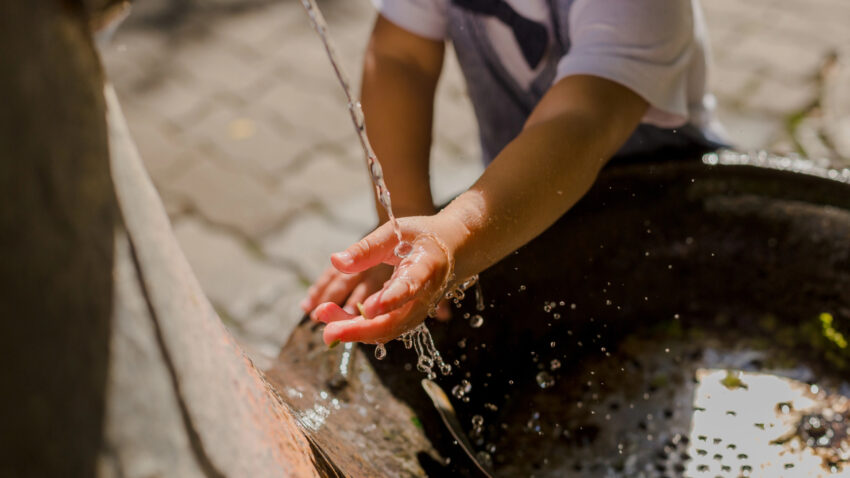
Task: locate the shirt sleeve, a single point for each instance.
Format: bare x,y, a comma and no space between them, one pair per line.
645,45
427,18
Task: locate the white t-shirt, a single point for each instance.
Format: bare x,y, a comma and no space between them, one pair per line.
656,48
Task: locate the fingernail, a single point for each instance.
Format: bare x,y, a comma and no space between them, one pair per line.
344,258
361,310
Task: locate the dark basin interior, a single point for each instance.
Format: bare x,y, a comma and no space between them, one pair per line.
600,337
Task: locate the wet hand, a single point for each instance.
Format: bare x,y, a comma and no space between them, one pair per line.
416,284
346,290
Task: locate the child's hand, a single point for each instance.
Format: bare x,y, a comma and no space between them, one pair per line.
341,288
416,284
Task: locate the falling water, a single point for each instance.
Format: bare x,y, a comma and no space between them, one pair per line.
375,171
421,341
420,337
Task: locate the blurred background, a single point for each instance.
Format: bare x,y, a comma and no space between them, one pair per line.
245,132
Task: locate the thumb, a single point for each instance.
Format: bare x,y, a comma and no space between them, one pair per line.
367,252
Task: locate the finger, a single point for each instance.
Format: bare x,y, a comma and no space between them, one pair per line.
336,291
339,288
330,312
367,252
315,291
358,295
417,276
444,310
381,329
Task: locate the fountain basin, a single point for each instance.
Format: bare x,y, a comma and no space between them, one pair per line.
602,338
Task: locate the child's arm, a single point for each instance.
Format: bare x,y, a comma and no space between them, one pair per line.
575,129
400,74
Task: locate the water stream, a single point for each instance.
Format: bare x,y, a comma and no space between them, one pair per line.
356,111
419,338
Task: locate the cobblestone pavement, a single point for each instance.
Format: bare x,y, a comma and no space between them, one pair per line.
245,133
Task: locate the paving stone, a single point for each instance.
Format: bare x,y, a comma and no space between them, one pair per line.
807,135
454,122
450,177
321,178
233,199
323,116
171,98
306,64
250,139
754,12
253,27
235,280
309,241
836,104
783,58
216,63
750,130
780,99
139,44
266,333
306,61
452,82
162,154
357,214
122,67
811,26
730,84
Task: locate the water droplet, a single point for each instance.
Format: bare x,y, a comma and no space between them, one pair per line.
556,316
476,321
403,249
424,364
555,364
484,458
477,421
380,352
544,380
460,390
552,344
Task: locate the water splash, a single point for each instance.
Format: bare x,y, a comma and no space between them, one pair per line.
544,380
821,168
461,390
428,356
